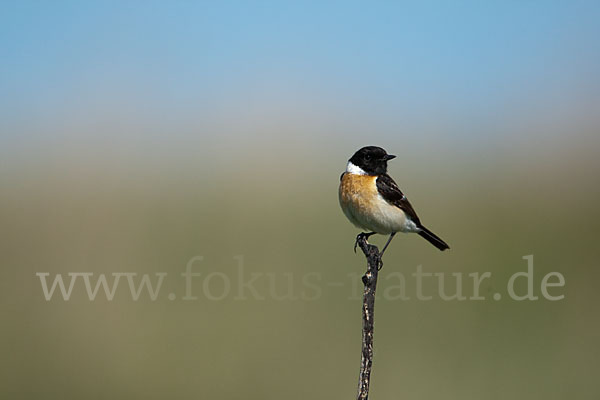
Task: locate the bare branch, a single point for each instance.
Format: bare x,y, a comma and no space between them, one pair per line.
374,263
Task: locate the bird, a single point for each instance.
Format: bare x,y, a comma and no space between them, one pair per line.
373,202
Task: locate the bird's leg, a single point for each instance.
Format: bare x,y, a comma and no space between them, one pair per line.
361,236
387,244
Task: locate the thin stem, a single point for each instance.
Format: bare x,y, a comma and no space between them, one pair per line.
374,263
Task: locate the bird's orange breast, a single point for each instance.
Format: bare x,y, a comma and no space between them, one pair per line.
358,194
364,207
359,191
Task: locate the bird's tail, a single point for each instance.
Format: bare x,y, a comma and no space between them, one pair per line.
433,238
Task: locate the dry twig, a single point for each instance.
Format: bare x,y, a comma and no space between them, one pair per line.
374,263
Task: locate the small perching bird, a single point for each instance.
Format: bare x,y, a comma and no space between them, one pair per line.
372,201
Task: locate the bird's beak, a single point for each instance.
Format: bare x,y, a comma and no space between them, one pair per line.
389,157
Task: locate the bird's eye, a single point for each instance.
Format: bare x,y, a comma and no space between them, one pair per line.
367,157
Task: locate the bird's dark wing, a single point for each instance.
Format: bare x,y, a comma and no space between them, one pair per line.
388,189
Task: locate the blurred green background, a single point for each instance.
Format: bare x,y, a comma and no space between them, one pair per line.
135,136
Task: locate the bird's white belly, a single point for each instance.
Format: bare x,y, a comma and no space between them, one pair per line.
381,217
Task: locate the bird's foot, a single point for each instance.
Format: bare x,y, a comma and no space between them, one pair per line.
362,236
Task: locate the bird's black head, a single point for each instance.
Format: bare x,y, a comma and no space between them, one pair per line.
371,159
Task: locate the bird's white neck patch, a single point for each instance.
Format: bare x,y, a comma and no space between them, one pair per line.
354,169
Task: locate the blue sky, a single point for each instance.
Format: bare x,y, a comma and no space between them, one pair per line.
467,58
